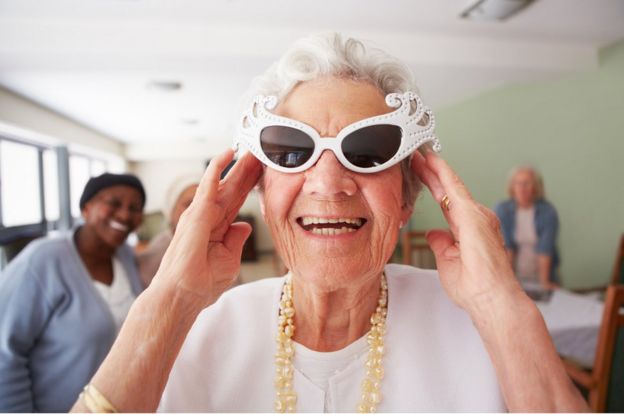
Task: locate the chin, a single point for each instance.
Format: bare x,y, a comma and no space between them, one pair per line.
332,272
114,241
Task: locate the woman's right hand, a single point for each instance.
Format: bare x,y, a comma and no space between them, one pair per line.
204,256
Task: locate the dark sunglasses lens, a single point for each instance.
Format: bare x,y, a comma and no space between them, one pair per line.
372,146
285,146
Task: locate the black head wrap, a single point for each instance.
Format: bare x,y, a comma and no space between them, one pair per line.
96,184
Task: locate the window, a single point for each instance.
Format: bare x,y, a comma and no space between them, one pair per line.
78,176
20,190
40,186
98,167
81,168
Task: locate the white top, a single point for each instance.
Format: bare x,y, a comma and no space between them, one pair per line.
118,296
319,367
434,361
526,240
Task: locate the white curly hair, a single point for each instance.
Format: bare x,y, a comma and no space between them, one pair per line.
331,54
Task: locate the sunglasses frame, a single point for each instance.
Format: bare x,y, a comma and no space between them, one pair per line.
413,135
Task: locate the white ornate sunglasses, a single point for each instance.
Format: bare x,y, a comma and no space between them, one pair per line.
367,146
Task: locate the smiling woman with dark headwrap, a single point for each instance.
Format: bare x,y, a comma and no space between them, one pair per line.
63,300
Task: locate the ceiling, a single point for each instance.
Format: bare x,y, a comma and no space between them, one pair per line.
92,60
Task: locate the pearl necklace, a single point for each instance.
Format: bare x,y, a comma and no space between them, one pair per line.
286,398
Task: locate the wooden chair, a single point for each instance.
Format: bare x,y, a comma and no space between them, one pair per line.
416,250
605,382
618,267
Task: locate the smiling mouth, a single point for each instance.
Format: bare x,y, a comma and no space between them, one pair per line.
118,226
330,226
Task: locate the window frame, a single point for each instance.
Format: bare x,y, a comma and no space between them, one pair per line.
90,161
63,150
9,234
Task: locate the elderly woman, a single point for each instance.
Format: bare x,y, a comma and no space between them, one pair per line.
530,226
343,331
63,300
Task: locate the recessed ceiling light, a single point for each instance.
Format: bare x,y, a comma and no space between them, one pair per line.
165,85
189,121
492,10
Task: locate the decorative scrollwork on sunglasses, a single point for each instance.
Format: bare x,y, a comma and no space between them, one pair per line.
367,146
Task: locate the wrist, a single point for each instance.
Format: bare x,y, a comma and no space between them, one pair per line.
160,299
502,309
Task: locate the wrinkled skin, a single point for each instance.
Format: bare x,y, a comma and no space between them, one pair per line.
328,189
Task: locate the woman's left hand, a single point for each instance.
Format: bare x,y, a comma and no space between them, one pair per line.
475,271
471,258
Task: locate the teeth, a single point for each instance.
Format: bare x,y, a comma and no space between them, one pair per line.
320,220
118,226
332,232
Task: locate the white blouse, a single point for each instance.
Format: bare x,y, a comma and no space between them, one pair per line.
526,240
434,359
118,296
320,367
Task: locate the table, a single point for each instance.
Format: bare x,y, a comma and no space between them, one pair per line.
573,321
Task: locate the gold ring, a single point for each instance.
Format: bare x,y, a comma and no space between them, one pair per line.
445,202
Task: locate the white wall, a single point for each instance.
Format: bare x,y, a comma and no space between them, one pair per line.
26,114
158,175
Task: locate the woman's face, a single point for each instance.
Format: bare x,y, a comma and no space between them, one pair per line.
331,225
523,188
113,213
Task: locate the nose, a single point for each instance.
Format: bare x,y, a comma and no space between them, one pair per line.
124,214
329,179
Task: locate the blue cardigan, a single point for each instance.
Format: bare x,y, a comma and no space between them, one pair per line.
55,329
546,227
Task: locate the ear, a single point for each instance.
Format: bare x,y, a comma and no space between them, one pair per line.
84,211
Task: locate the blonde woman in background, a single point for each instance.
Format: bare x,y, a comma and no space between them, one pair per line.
530,225
179,196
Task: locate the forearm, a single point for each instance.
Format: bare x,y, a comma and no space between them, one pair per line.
544,265
134,374
530,373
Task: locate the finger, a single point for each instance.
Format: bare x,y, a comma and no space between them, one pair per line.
431,180
203,212
445,250
209,184
494,223
240,180
452,184
235,237
245,172
442,243
428,177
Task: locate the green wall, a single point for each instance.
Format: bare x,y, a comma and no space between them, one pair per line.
572,130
